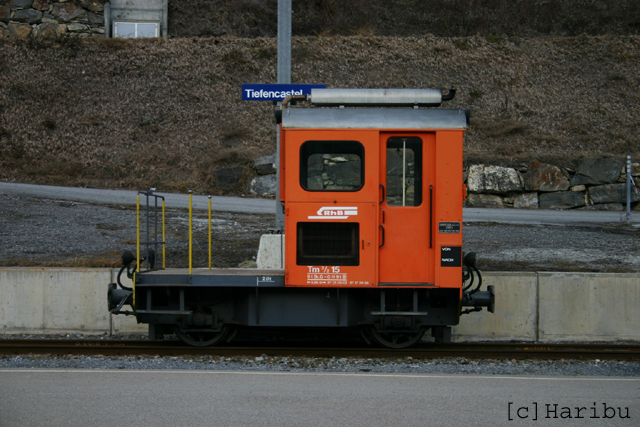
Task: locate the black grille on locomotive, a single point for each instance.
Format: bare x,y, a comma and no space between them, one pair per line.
321,243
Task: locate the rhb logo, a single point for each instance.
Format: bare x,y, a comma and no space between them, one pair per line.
335,212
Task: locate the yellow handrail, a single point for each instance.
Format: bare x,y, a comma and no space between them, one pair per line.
209,232
137,248
190,234
138,232
163,238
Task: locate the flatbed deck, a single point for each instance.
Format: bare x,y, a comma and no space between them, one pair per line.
216,277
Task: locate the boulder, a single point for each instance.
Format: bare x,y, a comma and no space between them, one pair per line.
315,182
264,186
30,16
265,165
95,6
50,31
525,200
562,200
66,12
315,165
635,172
345,174
229,176
75,27
5,14
484,201
22,3
40,5
95,19
19,31
612,193
493,179
597,172
544,178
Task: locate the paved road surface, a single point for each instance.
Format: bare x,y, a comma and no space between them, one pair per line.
125,197
213,398
242,205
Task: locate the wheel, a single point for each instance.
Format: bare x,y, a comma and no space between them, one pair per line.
200,337
400,339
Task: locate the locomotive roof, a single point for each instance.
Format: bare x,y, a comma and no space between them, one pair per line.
373,118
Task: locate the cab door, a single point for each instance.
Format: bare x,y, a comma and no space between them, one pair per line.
405,253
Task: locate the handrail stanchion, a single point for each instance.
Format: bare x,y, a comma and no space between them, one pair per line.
138,232
155,232
190,233
209,232
628,215
163,236
137,248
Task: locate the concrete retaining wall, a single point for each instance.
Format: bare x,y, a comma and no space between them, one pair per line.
536,307
515,316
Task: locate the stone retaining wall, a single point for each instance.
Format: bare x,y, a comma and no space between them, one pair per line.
597,184
51,18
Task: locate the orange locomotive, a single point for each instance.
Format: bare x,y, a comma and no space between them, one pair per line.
372,200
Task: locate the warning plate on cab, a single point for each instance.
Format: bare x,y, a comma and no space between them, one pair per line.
449,227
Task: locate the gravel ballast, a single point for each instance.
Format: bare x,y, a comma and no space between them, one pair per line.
454,366
394,365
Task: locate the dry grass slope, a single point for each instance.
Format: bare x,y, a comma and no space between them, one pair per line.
443,18
164,113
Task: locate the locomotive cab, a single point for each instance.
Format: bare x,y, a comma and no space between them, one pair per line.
372,198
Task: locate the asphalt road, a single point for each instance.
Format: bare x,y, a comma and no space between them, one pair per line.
126,197
252,206
186,398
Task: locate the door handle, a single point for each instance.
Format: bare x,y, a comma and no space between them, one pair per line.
382,237
384,194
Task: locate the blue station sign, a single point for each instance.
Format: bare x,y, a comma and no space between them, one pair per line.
275,92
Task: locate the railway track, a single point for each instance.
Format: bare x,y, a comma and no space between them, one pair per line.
425,351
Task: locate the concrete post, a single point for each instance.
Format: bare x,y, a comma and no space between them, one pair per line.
284,41
165,19
107,19
284,77
628,215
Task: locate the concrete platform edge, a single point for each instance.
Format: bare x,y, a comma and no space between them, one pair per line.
530,306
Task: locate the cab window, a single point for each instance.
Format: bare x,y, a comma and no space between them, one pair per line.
404,171
331,165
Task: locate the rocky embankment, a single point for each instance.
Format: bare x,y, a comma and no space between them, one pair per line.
597,184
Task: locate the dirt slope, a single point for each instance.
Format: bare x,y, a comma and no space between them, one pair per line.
164,113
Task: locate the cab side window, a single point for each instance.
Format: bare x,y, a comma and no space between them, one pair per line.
404,171
332,165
